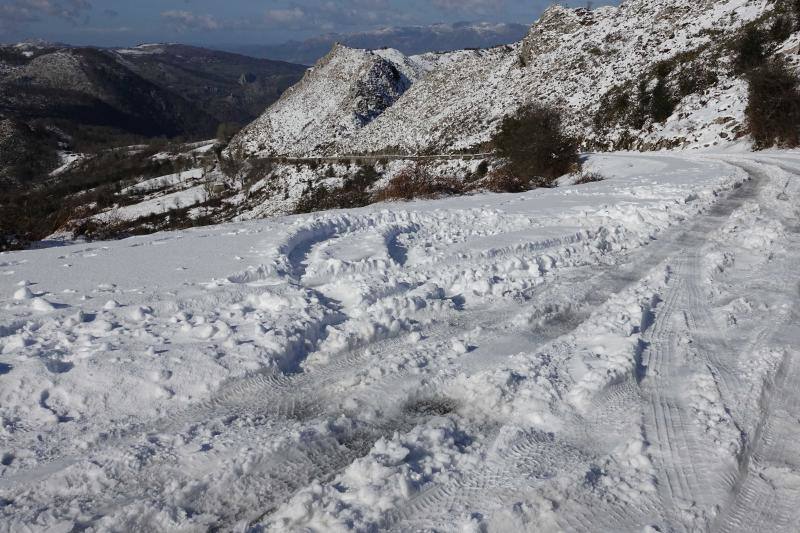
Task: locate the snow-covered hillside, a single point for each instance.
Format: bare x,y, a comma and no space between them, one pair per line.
614,356
571,59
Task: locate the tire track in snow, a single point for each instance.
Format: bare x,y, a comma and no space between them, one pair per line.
767,486
690,480
751,501
239,399
686,480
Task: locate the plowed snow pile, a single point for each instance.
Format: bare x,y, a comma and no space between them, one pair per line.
614,356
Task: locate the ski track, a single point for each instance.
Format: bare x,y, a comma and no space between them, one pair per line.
530,373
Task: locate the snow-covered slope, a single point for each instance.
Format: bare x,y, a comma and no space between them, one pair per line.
571,59
615,356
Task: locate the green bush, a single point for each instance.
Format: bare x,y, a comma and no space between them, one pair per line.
773,109
781,29
614,108
750,49
534,144
695,80
227,130
661,102
481,171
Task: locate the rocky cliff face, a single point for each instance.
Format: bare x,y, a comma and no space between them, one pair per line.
574,59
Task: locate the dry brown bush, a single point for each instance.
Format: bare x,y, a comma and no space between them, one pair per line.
417,182
504,179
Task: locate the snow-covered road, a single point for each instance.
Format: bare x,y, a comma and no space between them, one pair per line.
615,356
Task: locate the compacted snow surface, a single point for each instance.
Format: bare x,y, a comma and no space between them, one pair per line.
615,356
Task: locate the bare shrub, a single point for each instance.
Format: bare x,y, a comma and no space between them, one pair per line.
353,193
504,180
112,227
589,177
232,165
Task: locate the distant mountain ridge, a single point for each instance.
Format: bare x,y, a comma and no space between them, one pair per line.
149,90
410,40
231,87
87,97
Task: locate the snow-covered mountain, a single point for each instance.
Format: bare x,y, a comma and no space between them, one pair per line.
572,58
346,90
359,119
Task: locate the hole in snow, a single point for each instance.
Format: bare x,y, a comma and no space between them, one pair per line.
58,367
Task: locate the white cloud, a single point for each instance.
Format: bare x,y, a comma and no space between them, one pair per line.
18,13
186,20
471,6
283,16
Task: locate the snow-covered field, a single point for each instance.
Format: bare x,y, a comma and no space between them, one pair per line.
615,356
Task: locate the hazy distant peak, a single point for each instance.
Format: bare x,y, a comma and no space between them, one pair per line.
409,40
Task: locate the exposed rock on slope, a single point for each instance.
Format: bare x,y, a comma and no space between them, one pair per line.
570,58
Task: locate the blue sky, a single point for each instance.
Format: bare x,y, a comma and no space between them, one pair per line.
127,22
